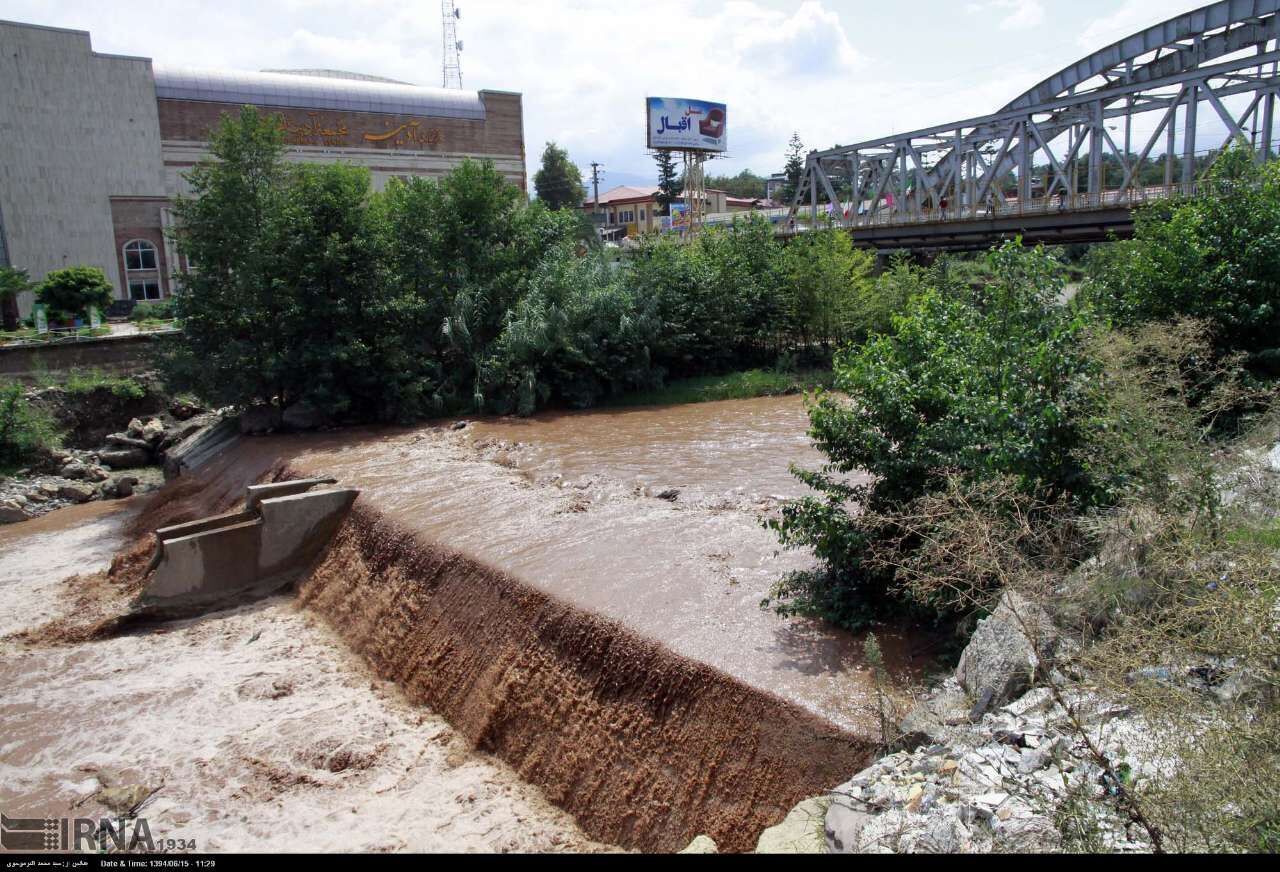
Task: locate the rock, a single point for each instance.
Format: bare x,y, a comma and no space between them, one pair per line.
153,431
76,493
74,470
670,494
304,416
135,428
125,458
12,513
462,425
1007,651
843,827
184,410
259,419
1273,458
701,845
124,800
802,831
48,488
120,488
123,440
929,721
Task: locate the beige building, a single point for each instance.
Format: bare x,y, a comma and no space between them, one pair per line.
94,147
629,211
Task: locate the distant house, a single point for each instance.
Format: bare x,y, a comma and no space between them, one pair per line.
628,210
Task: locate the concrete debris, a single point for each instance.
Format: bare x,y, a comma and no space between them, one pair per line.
801,831
701,845
1007,652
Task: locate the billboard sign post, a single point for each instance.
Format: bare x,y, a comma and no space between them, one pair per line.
687,125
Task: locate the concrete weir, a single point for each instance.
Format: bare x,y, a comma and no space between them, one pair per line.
244,554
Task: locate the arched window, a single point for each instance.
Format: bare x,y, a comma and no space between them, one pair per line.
141,266
139,255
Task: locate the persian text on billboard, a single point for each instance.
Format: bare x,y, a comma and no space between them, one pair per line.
687,124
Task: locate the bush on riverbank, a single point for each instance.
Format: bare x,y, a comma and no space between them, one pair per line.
25,433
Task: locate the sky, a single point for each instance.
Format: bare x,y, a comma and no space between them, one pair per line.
833,71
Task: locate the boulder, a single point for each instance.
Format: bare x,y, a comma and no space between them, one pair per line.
74,470
120,488
1007,652
11,512
135,428
701,845
123,440
153,431
76,493
304,416
802,831
125,458
934,718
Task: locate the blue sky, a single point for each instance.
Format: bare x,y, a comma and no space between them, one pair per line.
835,71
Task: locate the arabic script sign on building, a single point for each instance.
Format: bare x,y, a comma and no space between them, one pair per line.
686,125
317,131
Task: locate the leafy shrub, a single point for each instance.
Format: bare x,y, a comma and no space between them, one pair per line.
161,310
976,384
24,432
71,291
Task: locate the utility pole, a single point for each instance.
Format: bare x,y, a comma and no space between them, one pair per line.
595,186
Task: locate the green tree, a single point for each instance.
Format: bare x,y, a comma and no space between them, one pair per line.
669,182
1214,257
233,305
976,384
71,291
745,184
13,282
827,277
559,182
794,167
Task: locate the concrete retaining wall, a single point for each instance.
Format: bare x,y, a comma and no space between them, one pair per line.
123,354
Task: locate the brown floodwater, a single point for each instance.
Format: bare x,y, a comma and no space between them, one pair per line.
570,503
577,593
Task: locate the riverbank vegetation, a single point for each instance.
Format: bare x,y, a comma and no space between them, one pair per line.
1113,460
456,295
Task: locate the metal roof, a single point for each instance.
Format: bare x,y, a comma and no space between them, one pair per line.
313,92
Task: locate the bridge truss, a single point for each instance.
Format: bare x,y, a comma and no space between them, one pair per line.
1088,138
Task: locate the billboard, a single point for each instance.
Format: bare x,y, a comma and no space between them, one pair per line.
686,125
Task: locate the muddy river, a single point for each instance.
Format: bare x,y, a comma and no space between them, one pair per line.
650,518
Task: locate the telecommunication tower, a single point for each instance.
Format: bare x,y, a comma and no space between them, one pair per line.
451,66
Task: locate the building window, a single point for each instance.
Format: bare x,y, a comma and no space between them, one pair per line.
641,214
144,289
139,255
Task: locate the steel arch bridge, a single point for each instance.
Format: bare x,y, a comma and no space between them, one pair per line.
1061,162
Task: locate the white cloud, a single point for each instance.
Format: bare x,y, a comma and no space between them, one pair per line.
1014,15
1130,17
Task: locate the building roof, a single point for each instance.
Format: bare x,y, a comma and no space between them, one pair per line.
625,194
313,90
